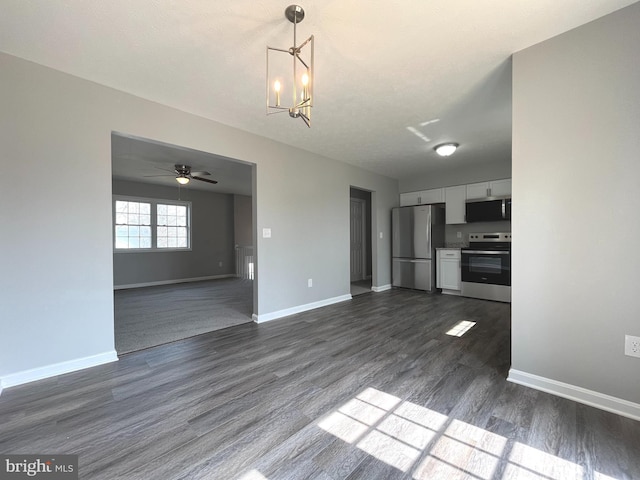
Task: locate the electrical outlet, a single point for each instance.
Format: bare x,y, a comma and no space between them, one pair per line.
632,346
459,234
310,283
219,264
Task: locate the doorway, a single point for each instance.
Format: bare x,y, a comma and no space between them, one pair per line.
360,241
168,289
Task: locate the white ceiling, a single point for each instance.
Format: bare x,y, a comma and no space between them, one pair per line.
440,67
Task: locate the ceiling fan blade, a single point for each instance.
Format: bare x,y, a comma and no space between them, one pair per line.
200,174
160,175
163,169
204,179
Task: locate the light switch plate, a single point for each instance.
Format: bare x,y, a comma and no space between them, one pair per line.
266,233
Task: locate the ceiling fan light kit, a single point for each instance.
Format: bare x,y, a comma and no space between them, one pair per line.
184,175
446,149
282,78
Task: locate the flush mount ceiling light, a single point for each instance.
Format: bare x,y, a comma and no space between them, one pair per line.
297,81
446,149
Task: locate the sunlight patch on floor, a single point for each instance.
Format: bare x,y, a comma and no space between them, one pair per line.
460,328
460,451
430,445
253,475
528,462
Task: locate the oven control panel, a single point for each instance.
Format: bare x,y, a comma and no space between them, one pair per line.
489,237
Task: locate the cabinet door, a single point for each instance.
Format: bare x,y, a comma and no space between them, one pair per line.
407,199
454,206
435,195
477,190
450,274
500,188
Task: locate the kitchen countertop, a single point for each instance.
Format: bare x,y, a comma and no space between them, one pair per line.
452,246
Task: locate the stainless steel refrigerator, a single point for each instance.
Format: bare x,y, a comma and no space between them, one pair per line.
417,232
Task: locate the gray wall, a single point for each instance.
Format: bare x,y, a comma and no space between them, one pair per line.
243,220
576,118
212,232
458,176
57,279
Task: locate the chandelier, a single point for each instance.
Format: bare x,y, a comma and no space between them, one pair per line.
290,72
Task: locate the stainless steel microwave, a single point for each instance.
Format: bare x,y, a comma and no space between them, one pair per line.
492,209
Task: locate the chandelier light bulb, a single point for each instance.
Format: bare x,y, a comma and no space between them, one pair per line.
276,87
305,79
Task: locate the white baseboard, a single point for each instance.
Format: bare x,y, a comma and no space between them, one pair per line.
171,282
381,288
578,394
300,308
48,371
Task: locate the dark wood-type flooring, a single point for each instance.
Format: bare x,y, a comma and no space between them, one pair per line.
373,388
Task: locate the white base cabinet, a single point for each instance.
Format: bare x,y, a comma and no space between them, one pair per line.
448,270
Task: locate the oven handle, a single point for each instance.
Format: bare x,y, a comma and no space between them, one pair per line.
487,252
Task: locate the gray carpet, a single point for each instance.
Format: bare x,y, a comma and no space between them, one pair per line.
146,317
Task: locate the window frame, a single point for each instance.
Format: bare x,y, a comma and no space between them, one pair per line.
154,224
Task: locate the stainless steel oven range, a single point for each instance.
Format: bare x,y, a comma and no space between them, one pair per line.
486,267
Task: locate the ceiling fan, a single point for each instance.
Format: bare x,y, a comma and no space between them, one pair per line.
184,175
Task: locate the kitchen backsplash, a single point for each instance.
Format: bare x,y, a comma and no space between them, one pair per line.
451,231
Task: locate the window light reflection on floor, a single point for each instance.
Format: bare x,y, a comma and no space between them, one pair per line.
253,475
461,328
430,445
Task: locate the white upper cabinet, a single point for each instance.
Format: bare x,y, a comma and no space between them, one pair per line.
435,195
500,188
477,190
410,198
423,197
495,188
455,197
454,207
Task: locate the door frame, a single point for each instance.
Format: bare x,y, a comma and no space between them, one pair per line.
363,219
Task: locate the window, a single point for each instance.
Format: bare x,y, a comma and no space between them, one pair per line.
133,224
172,226
142,224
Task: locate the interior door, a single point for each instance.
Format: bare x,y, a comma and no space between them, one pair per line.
357,240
